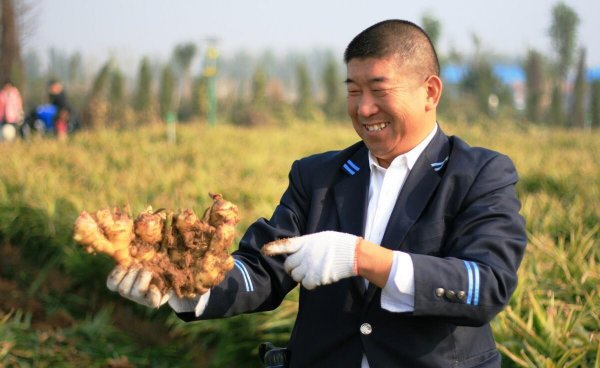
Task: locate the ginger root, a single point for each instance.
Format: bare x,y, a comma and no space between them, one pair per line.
184,253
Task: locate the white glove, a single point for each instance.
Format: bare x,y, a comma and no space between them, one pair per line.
133,283
318,259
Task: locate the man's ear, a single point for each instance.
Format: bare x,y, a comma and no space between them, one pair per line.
434,87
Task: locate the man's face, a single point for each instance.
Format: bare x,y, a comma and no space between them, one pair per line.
55,88
388,106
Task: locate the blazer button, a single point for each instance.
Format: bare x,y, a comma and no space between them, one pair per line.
450,295
439,292
366,329
461,295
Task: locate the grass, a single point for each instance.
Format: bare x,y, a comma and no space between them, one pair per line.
56,302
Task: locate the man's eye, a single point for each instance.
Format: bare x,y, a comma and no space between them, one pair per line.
379,92
353,92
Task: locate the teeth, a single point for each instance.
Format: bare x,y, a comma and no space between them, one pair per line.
375,127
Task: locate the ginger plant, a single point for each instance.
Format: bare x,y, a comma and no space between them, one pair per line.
184,253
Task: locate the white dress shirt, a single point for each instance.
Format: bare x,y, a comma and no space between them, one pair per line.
398,294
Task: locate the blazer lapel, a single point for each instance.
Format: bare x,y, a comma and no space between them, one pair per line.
351,197
419,186
351,193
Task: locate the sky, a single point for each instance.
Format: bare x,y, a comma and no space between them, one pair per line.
129,29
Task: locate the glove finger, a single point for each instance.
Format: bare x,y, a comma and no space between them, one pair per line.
312,280
126,284
298,274
309,283
115,277
166,297
140,286
153,297
293,261
282,246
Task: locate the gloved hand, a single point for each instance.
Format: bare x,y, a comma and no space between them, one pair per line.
133,283
319,258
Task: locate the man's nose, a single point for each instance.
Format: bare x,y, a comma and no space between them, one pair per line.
367,106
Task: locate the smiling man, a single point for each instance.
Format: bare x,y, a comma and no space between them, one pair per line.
406,244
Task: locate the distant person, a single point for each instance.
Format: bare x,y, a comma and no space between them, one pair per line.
11,111
406,244
58,98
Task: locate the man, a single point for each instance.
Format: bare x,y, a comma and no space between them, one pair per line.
58,98
406,244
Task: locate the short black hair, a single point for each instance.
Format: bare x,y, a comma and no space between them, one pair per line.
52,81
404,39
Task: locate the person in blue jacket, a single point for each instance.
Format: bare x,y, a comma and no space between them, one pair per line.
406,244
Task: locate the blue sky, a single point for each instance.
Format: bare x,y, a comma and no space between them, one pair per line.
127,29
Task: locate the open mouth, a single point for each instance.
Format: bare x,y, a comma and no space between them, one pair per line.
376,127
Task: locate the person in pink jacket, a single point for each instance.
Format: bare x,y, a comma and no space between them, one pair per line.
11,110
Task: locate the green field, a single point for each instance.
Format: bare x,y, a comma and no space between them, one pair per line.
55,310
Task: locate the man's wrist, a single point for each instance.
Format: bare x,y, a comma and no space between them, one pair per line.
373,262
359,240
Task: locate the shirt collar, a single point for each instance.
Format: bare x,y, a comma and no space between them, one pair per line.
409,157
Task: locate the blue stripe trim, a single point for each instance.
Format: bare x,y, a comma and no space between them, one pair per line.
348,169
242,267
470,290
437,166
353,165
242,272
476,291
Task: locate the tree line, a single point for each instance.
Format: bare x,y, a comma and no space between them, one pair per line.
274,90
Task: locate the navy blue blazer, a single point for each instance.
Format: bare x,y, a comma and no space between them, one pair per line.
458,218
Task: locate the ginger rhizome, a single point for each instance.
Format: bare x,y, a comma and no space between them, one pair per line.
184,253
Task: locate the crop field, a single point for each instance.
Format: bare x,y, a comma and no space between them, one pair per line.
55,310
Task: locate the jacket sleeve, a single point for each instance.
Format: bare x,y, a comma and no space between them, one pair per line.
259,283
485,242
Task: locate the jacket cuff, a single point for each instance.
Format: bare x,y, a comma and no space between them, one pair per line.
185,305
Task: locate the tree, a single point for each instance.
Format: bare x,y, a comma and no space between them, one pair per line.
200,97
304,102
143,104
481,84
579,94
258,96
117,100
432,27
595,103
278,106
535,85
556,114
334,105
257,112
95,112
563,34
75,71
11,65
117,87
183,55
35,83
